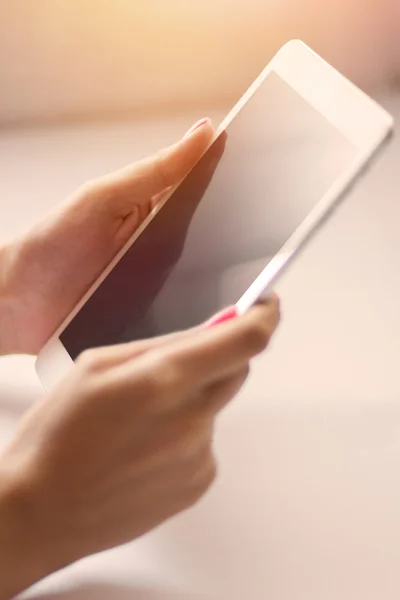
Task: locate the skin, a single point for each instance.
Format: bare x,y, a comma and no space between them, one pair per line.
64,493
47,270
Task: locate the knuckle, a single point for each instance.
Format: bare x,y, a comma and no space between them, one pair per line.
238,381
226,391
203,475
244,374
193,438
89,361
164,382
159,171
167,374
211,474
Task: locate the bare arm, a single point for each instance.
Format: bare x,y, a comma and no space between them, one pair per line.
22,557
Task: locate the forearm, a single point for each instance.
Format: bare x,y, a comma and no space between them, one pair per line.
21,555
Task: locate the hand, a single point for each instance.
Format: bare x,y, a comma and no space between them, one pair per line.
124,443
44,273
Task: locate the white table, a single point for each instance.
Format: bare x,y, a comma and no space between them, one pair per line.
307,505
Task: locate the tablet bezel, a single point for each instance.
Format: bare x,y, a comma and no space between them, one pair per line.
359,119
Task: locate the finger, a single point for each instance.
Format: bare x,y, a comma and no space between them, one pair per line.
110,356
218,395
144,179
201,355
217,352
204,357
174,375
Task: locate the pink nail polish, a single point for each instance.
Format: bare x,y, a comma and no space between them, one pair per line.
222,317
197,125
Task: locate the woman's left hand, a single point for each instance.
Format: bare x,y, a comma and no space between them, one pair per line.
44,273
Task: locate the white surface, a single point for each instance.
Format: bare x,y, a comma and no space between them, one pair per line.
307,505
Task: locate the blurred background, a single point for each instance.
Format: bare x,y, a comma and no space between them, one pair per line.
308,500
63,59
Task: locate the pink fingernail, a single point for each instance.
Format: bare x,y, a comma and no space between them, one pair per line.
197,125
222,317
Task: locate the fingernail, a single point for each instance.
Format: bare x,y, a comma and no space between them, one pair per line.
197,125
222,317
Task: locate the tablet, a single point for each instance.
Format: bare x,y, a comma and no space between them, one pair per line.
280,162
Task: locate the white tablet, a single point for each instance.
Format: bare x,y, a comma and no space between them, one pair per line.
281,160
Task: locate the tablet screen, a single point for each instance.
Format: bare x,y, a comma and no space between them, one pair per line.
218,231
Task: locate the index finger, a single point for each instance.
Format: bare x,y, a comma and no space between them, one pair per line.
212,354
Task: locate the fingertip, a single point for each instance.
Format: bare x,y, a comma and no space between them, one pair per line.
269,299
266,310
199,137
275,302
226,315
199,125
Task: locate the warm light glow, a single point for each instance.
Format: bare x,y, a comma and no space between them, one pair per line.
72,56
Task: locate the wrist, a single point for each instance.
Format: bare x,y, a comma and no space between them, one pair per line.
7,305
23,557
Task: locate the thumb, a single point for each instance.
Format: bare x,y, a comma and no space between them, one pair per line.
142,180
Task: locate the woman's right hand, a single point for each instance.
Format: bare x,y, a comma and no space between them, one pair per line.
123,443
